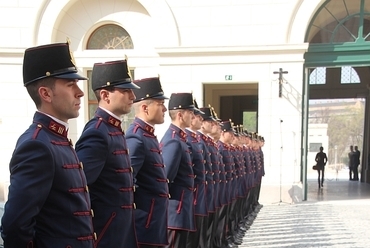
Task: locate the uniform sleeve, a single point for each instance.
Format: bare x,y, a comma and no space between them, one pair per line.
137,152
92,151
171,158
31,178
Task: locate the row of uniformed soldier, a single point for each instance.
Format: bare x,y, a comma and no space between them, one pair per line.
198,187
214,170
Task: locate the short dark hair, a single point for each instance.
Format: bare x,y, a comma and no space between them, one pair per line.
33,89
97,92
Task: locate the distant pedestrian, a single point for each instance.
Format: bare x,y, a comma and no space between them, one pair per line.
351,157
321,160
356,163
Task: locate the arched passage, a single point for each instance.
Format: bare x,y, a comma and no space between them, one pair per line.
338,37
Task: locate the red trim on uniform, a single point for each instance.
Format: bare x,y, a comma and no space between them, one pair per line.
150,214
180,204
37,130
119,152
76,190
71,166
60,143
84,213
113,215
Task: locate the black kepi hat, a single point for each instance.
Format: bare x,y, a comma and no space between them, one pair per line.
207,116
52,60
181,101
112,74
197,111
227,126
149,88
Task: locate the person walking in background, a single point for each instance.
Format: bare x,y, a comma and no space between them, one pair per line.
48,203
321,161
356,163
103,150
351,162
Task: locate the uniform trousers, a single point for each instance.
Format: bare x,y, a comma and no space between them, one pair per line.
177,238
219,239
211,220
198,239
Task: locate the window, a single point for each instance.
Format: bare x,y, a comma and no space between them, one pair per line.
110,36
349,76
318,76
315,147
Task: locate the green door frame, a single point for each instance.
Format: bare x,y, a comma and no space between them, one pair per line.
329,55
355,53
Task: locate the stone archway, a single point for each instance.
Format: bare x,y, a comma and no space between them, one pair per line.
61,18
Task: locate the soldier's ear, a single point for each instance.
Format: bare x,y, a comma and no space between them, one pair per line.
104,94
45,93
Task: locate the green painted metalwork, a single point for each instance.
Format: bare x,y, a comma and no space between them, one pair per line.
353,52
331,53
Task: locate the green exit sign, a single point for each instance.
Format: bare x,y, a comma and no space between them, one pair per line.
228,77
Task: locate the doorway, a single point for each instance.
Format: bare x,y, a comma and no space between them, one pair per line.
238,102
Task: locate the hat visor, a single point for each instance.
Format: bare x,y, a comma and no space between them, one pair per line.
158,97
209,118
126,85
71,76
198,111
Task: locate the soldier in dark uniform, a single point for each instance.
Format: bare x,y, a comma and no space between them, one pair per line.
198,238
151,194
179,169
103,150
48,203
226,138
219,239
212,170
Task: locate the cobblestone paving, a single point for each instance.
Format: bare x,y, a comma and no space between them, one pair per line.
321,224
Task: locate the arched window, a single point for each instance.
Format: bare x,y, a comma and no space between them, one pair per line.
110,36
318,76
348,75
340,21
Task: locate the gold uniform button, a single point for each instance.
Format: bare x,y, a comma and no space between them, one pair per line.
206,183
95,236
169,196
133,188
134,205
168,181
92,212
86,188
195,176
39,125
132,169
195,189
128,151
81,165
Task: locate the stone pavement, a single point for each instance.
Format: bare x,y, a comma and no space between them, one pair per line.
336,216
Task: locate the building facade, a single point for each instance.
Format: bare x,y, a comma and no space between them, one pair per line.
213,48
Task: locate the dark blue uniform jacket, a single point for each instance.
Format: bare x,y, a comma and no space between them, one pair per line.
151,195
48,203
179,169
102,148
